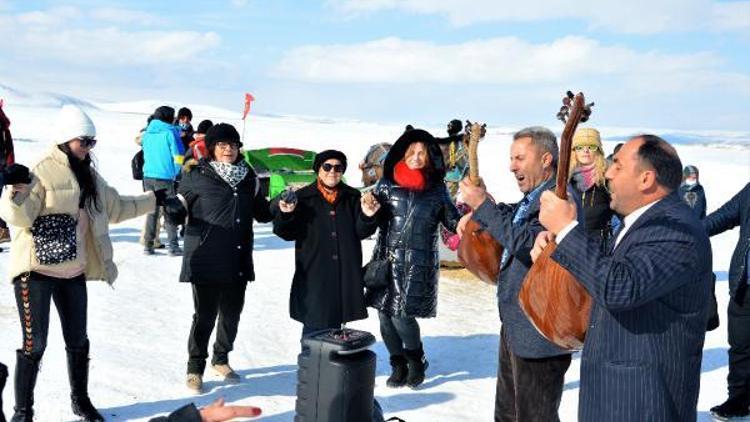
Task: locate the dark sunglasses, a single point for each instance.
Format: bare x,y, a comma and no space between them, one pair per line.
338,168
87,141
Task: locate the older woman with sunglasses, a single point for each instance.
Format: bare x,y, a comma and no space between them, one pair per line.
327,220
62,219
221,197
587,168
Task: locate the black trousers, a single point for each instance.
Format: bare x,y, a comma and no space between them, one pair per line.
738,323
399,333
209,301
528,389
34,293
153,218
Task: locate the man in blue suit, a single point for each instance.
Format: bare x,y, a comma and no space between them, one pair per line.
531,370
735,213
642,354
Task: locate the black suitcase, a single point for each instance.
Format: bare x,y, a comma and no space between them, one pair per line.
336,377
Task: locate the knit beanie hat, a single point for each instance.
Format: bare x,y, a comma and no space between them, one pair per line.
71,123
587,136
221,132
326,155
165,114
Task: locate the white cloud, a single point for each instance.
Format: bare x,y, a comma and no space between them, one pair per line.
504,61
633,16
126,16
65,34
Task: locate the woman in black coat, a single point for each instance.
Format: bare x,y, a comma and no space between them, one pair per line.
327,223
587,167
414,202
222,198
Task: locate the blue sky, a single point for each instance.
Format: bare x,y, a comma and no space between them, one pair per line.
680,64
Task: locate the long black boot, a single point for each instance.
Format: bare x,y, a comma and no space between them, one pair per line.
27,367
399,371
417,364
3,377
78,374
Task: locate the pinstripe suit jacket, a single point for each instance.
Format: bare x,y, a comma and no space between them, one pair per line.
642,354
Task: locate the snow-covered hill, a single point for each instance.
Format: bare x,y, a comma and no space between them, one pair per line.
139,330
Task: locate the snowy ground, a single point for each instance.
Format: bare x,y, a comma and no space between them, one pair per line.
138,330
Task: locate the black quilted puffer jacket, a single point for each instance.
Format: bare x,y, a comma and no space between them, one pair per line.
413,244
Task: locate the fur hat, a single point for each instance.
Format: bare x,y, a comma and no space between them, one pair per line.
71,123
326,155
587,136
221,132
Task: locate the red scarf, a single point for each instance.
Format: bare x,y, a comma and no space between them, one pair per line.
408,178
329,194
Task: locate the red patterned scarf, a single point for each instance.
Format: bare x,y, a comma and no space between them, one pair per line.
408,178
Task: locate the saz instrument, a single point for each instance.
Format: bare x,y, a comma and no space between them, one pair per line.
556,304
478,251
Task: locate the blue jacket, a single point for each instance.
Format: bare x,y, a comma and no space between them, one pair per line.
734,213
162,151
642,355
523,339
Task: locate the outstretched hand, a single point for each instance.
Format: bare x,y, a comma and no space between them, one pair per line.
217,412
370,204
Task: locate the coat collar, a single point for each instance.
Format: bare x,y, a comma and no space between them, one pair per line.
312,190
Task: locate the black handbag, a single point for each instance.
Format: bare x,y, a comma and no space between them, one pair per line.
54,237
376,274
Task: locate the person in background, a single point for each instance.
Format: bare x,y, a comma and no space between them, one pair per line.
162,162
587,168
182,122
197,148
62,218
736,212
691,191
327,220
414,201
221,198
7,158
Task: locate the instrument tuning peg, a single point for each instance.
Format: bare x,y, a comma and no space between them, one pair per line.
566,102
570,95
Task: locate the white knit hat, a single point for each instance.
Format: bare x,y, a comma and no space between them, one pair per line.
71,123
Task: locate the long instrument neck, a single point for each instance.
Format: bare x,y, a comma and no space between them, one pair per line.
566,142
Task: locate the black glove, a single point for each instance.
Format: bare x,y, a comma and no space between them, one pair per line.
175,211
161,196
15,174
288,196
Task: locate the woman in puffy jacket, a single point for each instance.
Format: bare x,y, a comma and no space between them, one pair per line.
414,201
221,196
62,240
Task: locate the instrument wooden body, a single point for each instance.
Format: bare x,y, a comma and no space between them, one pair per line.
478,251
556,304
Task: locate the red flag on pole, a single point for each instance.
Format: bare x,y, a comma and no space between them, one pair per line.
248,99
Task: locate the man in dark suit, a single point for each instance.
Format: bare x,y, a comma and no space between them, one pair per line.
735,213
642,354
531,369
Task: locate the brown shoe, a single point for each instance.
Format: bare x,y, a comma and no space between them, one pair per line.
226,371
195,382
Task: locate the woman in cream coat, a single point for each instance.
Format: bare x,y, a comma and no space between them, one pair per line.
61,240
